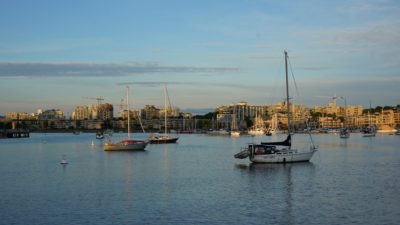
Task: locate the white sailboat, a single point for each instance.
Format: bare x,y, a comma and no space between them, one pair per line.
258,128
274,126
369,131
164,138
235,132
278,152
344,132
127,144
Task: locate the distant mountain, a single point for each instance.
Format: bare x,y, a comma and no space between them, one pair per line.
198,111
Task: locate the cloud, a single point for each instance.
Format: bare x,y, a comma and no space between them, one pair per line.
316,68
153,84
78,69
361,7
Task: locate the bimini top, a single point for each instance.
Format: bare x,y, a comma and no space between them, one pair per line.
287,142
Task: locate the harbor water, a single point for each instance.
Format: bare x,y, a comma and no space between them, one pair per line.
198,181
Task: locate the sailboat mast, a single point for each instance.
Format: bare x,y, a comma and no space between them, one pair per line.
287,92
129,116
165,109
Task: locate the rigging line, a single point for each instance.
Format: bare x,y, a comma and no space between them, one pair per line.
139,118
169,102
298,95
294,80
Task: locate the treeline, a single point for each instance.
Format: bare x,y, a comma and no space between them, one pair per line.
379,109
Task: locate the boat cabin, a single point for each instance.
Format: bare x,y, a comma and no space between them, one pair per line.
262,149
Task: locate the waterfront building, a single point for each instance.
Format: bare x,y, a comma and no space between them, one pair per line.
18,116
133,114
106,112
81,113
150,112
51,114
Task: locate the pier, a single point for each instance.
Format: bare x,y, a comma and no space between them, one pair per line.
14,133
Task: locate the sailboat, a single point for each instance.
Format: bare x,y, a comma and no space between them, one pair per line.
278,152
164,138
344,132
235,132
258,128
127,144
370,130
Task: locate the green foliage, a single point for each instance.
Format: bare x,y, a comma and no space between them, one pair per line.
209,115
378,109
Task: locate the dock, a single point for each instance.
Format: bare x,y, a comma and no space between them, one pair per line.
14,133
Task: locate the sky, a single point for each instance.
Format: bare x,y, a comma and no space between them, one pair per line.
59,54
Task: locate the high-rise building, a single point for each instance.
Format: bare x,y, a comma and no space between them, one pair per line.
150,112
51,114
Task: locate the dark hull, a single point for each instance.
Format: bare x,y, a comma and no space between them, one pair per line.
163,141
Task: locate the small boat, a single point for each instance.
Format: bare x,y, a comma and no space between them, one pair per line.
128,144
64,160
344,133
397,132
369,131
99,135
76,132
278,152
165,138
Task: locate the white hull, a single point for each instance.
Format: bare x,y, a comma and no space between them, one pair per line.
386,131
235,133
124,146
283,157
256,132
277,131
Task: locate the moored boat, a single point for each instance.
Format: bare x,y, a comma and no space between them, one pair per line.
125,145
278,152
128,144
99,134
164,138
344,133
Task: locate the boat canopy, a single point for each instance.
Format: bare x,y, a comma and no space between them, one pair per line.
287,142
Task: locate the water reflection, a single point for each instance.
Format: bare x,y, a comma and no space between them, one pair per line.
280,179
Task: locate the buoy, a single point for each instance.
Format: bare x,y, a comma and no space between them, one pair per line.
64,161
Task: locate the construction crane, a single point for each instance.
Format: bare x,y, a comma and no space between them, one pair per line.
334,98
99,99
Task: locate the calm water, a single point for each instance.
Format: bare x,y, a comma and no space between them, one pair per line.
197,181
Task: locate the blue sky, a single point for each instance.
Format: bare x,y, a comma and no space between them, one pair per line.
210,53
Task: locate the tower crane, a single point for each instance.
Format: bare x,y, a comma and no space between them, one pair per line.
99,99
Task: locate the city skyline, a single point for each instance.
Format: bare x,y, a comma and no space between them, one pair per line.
209,53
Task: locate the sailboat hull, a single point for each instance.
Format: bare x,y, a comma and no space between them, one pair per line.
163,140
288,157
126,146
